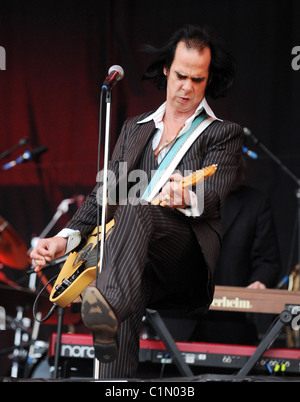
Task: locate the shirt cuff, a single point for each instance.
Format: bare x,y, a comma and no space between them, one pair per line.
73,236
193,209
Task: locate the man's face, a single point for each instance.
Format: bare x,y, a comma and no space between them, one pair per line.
187,78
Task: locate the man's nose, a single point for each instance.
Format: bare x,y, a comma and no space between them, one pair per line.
187,85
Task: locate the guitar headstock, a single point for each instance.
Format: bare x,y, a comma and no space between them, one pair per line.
209,171
199,175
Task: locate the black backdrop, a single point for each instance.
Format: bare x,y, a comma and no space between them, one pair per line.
58,53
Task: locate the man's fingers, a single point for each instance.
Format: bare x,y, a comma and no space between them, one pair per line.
42,254
46,250
38,264
176,177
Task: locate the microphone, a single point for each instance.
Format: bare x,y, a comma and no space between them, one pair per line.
247,131
23,141
250,153
26,157
115,74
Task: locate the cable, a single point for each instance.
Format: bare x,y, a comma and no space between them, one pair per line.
53,308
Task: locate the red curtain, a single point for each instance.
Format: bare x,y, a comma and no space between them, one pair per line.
58,53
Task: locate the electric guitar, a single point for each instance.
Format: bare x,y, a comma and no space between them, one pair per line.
79,270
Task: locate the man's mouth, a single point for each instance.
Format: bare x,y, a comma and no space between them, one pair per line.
184,99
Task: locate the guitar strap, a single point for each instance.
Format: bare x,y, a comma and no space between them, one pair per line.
174,156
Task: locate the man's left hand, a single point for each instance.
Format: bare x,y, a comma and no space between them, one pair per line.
173,195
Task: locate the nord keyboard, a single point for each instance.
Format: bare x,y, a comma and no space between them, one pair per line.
73,346
78,347
222,356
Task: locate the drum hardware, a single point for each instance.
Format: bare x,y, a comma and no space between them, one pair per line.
29,352
17,352
24,325
17,300
27,349
32,357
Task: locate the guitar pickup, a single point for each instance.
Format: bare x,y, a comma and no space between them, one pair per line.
64,285
66,282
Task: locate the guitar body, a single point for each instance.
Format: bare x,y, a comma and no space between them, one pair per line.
79,270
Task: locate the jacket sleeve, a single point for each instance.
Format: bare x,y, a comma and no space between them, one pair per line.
222,147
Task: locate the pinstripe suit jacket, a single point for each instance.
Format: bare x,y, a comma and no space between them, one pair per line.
221,143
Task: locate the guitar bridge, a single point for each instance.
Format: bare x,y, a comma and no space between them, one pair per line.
66,282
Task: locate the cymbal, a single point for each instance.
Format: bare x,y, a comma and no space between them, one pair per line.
11,298
13,251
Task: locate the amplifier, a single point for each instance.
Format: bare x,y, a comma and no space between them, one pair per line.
77,347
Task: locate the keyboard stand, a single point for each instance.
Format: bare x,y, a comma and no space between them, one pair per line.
162,331
285,318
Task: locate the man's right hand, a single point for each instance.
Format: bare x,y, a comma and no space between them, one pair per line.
47,250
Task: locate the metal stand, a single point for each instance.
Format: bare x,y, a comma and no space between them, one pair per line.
164,334
17,343
58,342
285,318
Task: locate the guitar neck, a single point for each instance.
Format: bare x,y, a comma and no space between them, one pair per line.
192,180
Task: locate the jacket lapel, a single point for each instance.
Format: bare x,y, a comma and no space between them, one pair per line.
139,138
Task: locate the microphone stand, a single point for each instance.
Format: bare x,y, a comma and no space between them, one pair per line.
108,101
105,176
278,162
23,141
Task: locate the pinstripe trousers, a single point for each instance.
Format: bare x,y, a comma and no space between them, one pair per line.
152,256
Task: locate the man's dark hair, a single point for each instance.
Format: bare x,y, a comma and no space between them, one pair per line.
222,68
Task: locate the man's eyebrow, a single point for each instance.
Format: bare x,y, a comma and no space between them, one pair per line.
195,79
179,75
